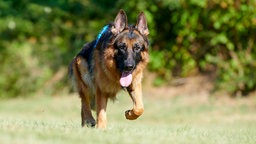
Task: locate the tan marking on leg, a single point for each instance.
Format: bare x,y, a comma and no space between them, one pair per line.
101,102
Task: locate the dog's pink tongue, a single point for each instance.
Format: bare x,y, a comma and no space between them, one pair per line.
126,79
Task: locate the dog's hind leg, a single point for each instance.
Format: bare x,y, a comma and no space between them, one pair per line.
79,69
86,114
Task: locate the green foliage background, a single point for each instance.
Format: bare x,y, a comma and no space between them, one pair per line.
39,38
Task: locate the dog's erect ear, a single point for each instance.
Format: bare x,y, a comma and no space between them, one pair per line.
142,24
120,22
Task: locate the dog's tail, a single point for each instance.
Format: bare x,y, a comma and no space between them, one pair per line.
71,76
70,69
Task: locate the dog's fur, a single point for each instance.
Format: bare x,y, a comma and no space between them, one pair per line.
119,50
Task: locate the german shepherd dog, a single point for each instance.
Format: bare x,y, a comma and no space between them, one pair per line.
114,60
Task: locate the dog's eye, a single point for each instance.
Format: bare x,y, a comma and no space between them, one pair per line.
137,47
122,46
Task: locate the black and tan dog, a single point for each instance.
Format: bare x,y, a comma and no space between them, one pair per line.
115,60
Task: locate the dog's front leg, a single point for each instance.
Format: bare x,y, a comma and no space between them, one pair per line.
138,108
101,106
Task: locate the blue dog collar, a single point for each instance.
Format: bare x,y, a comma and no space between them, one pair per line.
103,30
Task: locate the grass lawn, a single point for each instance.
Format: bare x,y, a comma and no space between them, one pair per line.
183,119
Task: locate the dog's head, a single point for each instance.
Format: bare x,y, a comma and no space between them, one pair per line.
130,43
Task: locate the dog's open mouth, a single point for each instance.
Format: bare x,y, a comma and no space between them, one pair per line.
126,79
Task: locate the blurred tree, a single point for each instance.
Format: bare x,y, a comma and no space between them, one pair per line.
39,38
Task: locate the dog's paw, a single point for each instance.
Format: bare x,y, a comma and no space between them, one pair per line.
130,115
89,123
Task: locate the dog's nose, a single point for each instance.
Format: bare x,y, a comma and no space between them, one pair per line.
129,67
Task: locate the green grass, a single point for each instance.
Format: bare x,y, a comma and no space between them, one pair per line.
191,120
